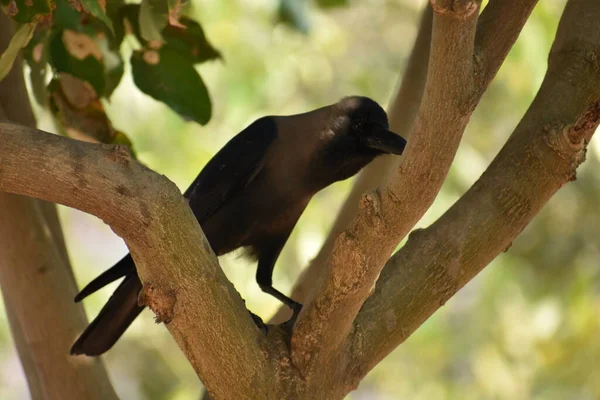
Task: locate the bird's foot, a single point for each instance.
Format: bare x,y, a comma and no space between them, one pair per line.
260,323
289,324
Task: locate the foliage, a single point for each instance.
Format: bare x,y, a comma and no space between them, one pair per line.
81,43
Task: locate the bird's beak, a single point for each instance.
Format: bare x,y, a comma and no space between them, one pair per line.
386,141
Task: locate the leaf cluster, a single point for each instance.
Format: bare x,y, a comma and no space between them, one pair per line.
74,52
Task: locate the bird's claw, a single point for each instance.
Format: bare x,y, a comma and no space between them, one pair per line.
259,323
289,324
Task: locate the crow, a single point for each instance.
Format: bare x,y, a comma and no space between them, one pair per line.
251,194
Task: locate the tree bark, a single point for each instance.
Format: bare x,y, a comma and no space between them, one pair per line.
183,283
36,278
540,157
452,90
498,28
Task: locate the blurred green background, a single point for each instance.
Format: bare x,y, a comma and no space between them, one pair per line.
528,327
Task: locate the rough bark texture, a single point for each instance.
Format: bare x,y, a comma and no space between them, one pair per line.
541,156
389,213
36,279
499,25
183,283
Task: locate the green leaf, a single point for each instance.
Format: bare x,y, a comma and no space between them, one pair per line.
92,49
294,14
18,41
79,55
331,3
190,41
171,78
153,17
95,8
27,10
65,16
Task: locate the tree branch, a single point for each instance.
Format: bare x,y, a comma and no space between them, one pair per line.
499,26
540,157
31,274
327,319
34,381
183,283
453,89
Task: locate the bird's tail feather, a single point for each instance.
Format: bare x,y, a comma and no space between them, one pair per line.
117,271
114,318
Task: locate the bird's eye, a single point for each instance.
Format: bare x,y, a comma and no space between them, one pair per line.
358,125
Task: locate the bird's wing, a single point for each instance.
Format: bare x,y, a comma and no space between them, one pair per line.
231,169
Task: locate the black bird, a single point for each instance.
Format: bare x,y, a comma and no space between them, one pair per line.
252,193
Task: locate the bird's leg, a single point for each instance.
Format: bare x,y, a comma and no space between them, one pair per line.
264,275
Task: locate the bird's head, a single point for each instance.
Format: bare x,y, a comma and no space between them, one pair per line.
361,124
357,133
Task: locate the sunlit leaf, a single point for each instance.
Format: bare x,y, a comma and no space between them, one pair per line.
171,78
18,41
187,37
98,9
153,17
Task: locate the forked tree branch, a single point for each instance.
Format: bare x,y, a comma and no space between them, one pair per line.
539,158
454,87
499,26
361,251
186,289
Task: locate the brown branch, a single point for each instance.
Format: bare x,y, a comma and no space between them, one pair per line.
499,26
327,318
183,283
50,214
540,157
453,89
31,272
34,381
